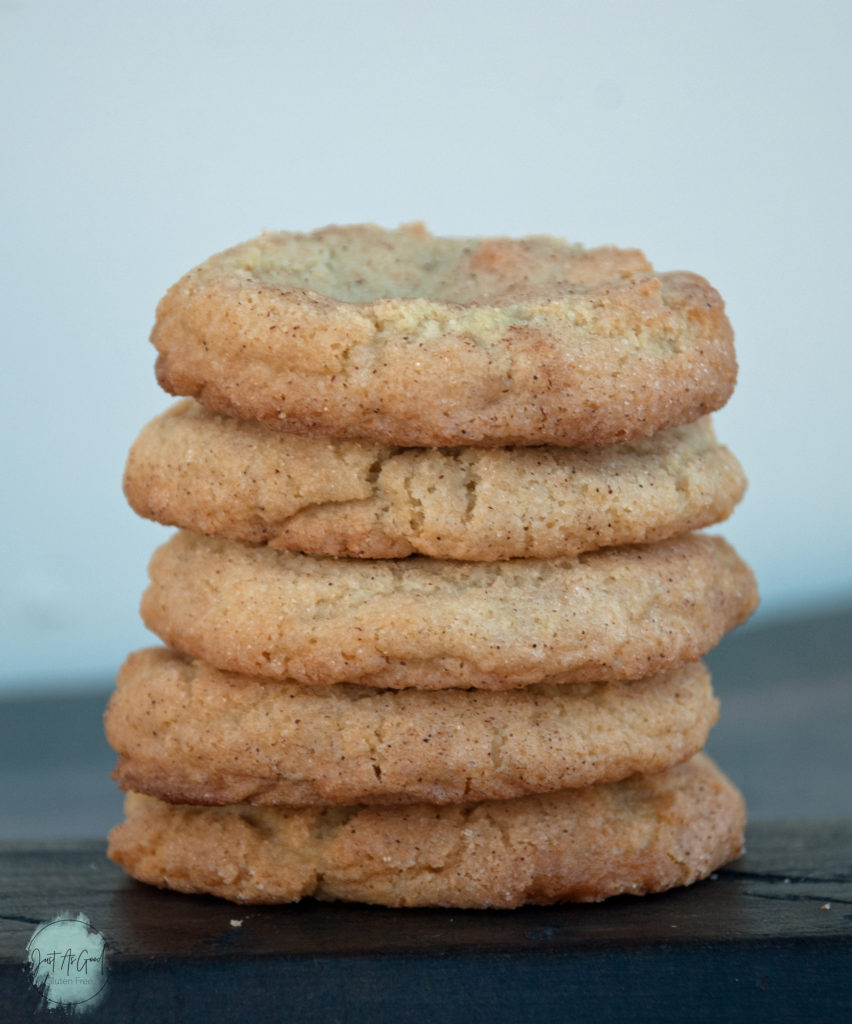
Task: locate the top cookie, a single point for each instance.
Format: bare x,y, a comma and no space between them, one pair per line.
404,338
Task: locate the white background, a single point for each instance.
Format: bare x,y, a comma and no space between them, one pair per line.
138,138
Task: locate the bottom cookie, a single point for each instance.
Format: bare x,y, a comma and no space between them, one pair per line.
645,834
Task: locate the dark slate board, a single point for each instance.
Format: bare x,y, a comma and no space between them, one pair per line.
768,939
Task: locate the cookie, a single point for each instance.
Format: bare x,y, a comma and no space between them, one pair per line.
621,613
644,834
237,479
407,339
188,733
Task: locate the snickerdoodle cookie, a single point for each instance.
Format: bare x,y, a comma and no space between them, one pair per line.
188,733
404,338
619,613
238,479
644,834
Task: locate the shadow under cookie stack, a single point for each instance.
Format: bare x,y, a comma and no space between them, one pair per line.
436,609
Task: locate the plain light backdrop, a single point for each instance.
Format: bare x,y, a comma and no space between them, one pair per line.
138,138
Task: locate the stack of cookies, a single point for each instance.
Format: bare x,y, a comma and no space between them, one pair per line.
436,610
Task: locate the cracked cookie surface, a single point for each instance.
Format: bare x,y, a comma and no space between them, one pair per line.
188,733
408,339
237,479
644,834
620,613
